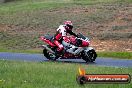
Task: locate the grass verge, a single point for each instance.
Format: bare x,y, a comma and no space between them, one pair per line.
32,51
16,74
122,55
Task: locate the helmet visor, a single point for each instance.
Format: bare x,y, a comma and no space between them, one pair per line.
70,26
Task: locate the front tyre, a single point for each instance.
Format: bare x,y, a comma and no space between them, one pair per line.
49,55
90,56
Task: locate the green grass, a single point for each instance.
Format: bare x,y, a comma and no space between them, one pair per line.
29,5
16,74
13,7
93,2
123,55
31,51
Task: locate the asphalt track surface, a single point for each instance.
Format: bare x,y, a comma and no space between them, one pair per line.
40,58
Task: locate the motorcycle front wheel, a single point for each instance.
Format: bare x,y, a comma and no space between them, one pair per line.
90,56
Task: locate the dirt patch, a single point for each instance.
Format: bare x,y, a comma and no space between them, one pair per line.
112,45
3,27
122,20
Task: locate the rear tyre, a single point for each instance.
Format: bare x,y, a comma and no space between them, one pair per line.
91,56
49,55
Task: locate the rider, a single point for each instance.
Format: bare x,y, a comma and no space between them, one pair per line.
62,32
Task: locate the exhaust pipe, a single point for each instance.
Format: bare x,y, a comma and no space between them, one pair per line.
47,48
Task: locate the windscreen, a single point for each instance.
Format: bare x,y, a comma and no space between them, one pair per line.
81,36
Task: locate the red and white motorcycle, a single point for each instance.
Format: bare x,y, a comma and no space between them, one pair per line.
74,48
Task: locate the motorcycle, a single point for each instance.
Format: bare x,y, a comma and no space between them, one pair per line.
74,47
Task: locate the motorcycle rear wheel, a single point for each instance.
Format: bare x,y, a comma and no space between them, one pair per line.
49,55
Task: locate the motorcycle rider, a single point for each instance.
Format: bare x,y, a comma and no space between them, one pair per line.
62,32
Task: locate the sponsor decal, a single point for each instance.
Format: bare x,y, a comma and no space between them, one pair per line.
84,78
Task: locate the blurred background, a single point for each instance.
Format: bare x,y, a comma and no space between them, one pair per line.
108,23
